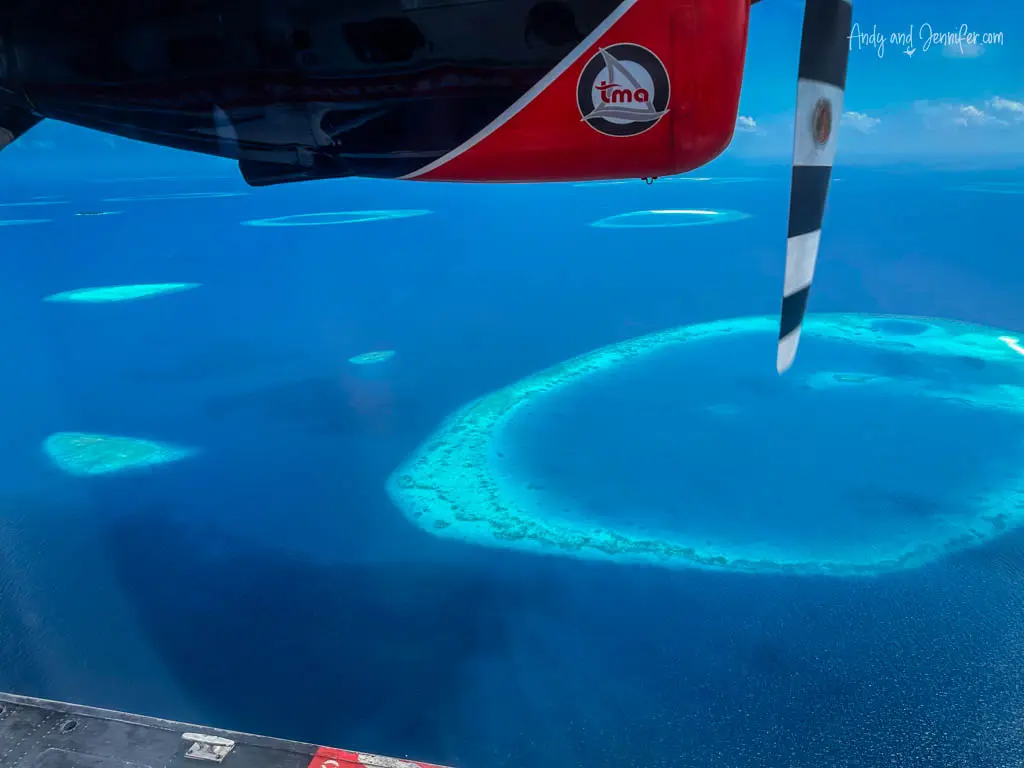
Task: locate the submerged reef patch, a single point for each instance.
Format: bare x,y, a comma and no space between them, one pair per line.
711,179
370,358
1013,343
681,217
32,203
83,454
607,182
998,398
334,217
671,180
993,187
458,485
174,196
113,293
22,222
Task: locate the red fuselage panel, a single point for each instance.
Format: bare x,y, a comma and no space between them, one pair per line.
654,92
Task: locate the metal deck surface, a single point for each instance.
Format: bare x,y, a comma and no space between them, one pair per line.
35,733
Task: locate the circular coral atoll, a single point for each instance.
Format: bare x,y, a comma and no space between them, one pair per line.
932,408
334,217
669,217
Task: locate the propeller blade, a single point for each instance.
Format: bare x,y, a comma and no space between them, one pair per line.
824,54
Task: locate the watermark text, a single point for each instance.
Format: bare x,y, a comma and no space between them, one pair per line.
925,37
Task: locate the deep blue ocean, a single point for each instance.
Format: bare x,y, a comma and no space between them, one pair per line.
268,584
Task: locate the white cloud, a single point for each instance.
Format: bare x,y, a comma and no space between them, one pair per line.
1007,107
943,114
968,114
746,124
962,50
998,102
860,121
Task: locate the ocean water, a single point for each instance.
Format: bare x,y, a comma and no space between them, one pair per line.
268,583
706,441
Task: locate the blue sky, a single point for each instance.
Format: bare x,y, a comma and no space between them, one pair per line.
961,101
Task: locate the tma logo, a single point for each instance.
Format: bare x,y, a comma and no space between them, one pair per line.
616,94
623,90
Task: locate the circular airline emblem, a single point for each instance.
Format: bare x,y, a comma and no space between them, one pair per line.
821,122
623,90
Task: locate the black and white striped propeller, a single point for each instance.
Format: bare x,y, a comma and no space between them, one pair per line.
824,53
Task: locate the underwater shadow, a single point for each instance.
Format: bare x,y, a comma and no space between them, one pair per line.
213,361
327,405
371,655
